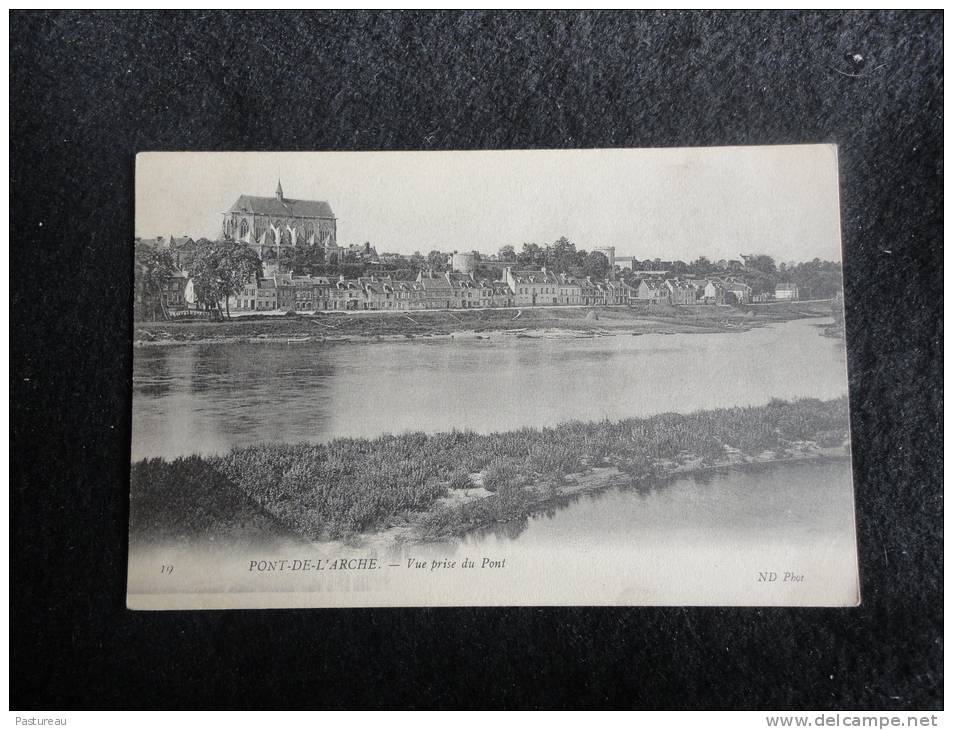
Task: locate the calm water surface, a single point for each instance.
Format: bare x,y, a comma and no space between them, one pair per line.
693,540
208,398
778,505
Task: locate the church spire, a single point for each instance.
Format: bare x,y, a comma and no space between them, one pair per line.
279,193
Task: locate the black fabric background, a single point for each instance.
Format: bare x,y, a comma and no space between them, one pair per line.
88,91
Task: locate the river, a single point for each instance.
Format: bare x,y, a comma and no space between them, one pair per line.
208,398
772,535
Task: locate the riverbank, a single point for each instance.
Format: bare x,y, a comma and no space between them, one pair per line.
429,487
333,327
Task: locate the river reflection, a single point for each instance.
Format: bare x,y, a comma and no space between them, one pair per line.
686,541
209,398
793,504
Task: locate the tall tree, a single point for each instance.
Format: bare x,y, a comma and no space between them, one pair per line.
154,269
220,270
596,265
564,255
760,262
303,259
816,279
437,260
701,266
531,255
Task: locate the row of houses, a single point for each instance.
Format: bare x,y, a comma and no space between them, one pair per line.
452,290
714,290
448,290
318,293
543,287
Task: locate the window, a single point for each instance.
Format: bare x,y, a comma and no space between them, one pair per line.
243,228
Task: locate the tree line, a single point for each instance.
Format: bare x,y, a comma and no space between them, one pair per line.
220,269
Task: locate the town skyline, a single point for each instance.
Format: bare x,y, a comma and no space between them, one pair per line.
668,204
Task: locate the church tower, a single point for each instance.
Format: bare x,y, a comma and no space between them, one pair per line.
279,194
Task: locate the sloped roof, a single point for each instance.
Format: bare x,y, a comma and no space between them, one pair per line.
285,207
376,284
737,286
346,285
434,283
567,280
534,277
307,280
463,281
362,249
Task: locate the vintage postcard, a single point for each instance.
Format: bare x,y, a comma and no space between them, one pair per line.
575,377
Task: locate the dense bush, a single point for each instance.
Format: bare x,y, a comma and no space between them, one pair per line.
498,474
329,491
188,498
460,479
346,486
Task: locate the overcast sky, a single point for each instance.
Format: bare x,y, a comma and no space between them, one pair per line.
662,203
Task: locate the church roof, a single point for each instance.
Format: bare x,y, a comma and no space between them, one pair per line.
284,207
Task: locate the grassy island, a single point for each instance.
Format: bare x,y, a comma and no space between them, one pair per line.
432,486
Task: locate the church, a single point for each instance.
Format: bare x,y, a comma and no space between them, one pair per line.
268,224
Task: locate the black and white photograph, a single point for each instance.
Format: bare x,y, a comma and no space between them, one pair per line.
579,377
488,359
